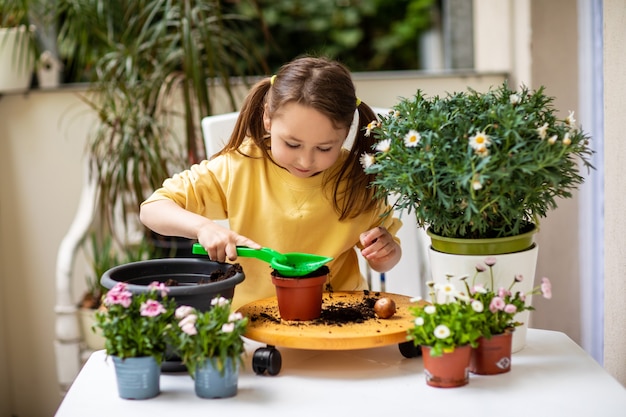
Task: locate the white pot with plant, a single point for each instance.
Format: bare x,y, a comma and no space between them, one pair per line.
479,170
17,45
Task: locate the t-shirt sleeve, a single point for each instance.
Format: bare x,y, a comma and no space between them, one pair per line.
199,189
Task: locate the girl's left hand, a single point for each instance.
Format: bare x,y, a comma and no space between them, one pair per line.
380,250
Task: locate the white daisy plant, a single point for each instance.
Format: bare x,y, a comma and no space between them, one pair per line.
477,165
449,320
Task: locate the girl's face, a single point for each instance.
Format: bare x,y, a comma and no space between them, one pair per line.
303,140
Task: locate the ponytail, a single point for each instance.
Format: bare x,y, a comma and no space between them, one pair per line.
250,120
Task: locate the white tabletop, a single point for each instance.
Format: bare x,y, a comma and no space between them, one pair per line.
551,376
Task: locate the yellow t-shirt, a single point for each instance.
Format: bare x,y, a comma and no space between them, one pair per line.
277,210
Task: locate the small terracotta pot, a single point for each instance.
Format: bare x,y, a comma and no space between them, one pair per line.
492,356
449,370
300,298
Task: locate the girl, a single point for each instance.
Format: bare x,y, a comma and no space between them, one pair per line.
284,181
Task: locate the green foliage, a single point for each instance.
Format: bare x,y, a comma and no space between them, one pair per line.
481,164
132,330
445,323
213,335
14,13
366,35
102,255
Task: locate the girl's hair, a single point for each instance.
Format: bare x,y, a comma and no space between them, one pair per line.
327,87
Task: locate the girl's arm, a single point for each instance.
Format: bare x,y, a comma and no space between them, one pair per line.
168,218
380,250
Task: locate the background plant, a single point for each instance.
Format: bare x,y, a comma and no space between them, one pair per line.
156,68
366,35
135,325
448,321
478,165
102,256
213,335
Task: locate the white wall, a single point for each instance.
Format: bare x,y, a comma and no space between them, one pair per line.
615,198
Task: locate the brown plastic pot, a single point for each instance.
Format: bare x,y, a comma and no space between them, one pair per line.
300,298
492,356
449,370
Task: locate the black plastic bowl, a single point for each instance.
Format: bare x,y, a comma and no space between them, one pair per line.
193,276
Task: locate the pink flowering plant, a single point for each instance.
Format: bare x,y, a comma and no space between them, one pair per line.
449,320
213,335
136,325
477,165
501,305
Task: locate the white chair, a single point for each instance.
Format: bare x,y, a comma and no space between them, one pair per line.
70,353
411,273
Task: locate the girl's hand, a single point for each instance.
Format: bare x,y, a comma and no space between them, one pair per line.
169,219
221,243
380,250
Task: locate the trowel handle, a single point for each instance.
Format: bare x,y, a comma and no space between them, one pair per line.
264,254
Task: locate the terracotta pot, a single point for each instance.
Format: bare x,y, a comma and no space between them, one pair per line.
300,298
492,356
449,370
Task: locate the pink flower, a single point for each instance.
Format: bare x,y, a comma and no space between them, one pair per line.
480,268
490,261
219,301
183,311
189,328
159,286
503,292
228,327
546,288
235,316
191,318
496,304
510,309
519,278
151,308
119,295
479,288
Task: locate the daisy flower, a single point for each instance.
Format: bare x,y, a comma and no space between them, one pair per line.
367,160
412,138
383,145
479,142
371,125
442,331
542,131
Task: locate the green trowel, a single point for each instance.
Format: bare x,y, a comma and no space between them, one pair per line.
291,264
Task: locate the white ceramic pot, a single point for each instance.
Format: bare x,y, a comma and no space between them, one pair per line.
16,63
93,340
506,267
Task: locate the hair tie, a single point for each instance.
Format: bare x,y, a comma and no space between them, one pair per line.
272,79
358,102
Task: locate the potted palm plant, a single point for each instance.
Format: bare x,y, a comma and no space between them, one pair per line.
479,170
156,68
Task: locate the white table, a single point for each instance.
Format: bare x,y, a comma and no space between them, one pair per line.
551,376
